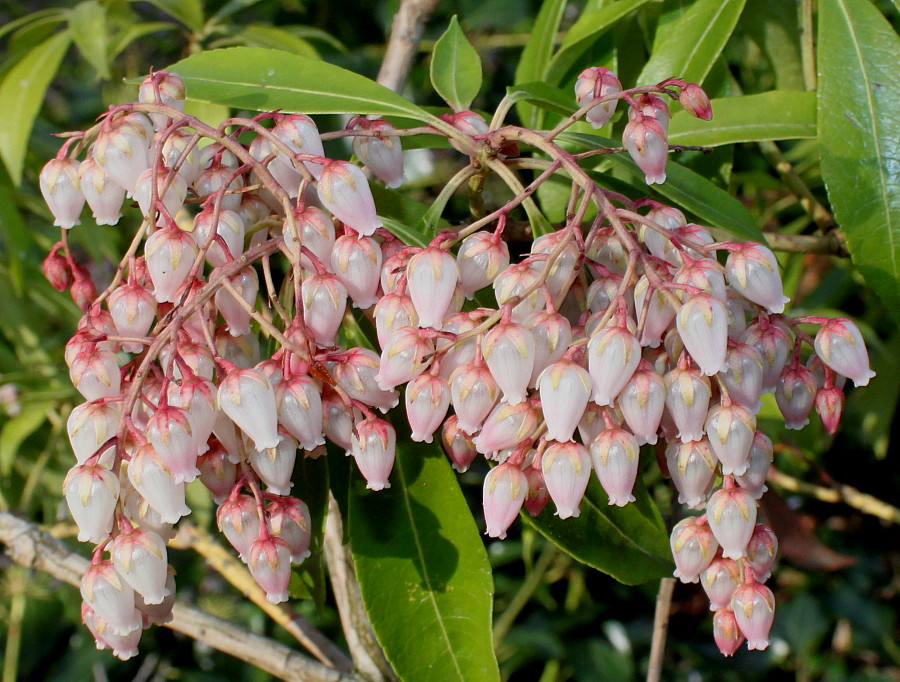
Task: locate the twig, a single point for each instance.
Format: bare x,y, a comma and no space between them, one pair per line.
830,244
406,30
521,597
28,545
785,169
660,628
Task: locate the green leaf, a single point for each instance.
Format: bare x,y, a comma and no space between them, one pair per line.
261,35
585,32
263,79
536,55
233,6
15,236
423,571
775,115
188,12
21,95
859,137
136,31
544,96
692,192
55,14
688,47
455,68
629,543
87,22
17,429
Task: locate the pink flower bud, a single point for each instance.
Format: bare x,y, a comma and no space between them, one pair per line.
482,256
381,154
687,399
761,552
237,317
593,84
653,107
157,485
562,272
703,326
403,357
299,401
427,401
373,447
773,345
660,312
337,421
754,610
645,140
300,133
509,351
110,597
275,466
269,562
474,393
730,429
692,466
567,470
289,520
760,460
133,310
829,406
727,634
457,444
841,347
238,519
393,311
512,282
344,191
316,231
505,427
720,579
92,492
61,190
743,376
103,195
124,647
57,271
217,472
180,153
172,198
795,393
220,181
693,548
458,353
753,272
123,152
229,228
356,373
615,454
169,254
357,262
90,425
324,303
246,396
705,274
565,388
613,356
537,496
732,517
140,558
432,275
695,101
95,373
158,614
505,487
552,334
171,432
162,87
642,402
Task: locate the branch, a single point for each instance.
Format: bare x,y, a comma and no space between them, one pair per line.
406,30
660,628
837,492
830,244
28,545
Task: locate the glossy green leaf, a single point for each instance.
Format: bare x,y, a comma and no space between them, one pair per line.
261,35
188,12
544,96
585,32
455,68
688,47
423,571
21,95
536,55
859,137
690,191
775,115
263,79
629,543
87,22
17,429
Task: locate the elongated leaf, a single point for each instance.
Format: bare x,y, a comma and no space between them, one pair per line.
263,79
455,68
629,543
692,192
87,22
17,429
260,35
859,137
544,96
188,12
689,46
776,115
589,28
536,55
40,15
137,31
423,571
21,94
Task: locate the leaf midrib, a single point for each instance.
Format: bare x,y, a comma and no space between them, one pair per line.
709,27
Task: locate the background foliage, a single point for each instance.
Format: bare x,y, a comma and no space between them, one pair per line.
805,140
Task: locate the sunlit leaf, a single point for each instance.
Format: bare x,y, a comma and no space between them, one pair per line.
188,12
87,22
455,68
535,57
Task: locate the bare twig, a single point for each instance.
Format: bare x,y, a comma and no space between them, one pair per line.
830,244
660,628
28,545
406,30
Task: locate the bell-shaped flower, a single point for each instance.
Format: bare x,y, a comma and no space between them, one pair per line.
238,519
613,356
394,310
140,557
505,427
646,142
169,255
227,228
133,310
110,597
157,485
567,469
512,283
275,466
61,189
246,396
481,257
743,376
171,197
642,402
704,274
726,633
171,432
730,429
344,190
217,472
158,614
687,400
732,517
761,552
373,446
829,404
124,647
95,373
702,323
162,87
381,153
103,195
90,425
564,269
357,373
427,401
299,401
537,496
432,276
693,548
316,230
123,152
692,466
220,183
565,388
357,262
552,334
509,351
324,303
615,454
795,394
754,610
841,347
269,561
457,444
236,316
720,579
197,396
300,134
753,272
473,392
650,106
593,84
403,358
753,480
660,312
505,487
289,520
92,492
180,153
773,345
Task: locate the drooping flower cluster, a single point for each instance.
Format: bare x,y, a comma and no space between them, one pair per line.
608,335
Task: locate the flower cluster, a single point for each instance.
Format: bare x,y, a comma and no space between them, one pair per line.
610,334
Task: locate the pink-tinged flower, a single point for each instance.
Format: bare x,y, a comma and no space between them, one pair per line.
172,198
720,579
613,355
316,231
238,519
481,257
230,229
432,276
703,326
692,466
157,485
592,422
169,254
236,316
123,152
593,84
567,470
730,429
218,180
512,283
773,345
393,272
607,249
269,561
552,334
687,399
171,432
299,401
743,376
505,427
301,135
403,357
246,396
95,373
357,262
373,447
693,548
565,388
140,558
732,517
427,402
738,308
162,87
196,395
754,609
275,466
727,634
381,154
110,597
651,106
473,393
615,454
829,403
337,420
356,374
90,425
646,142
761,552
289,520
393,311
133,310
459,353
103,195
457,444
344,191
562,272
537,496
124,647
642,402
217,472
91,492
324,303
505,488
180,153
660,312
795,394
704,274
695,101
509,351
841,347
758,464
603,290
56,270
753,272
158,614
658,243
